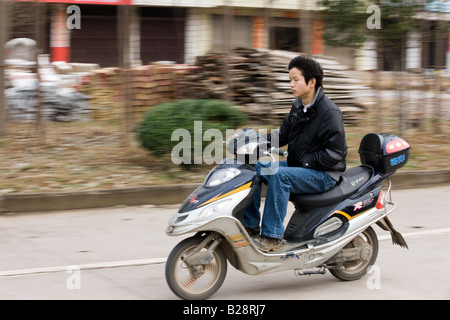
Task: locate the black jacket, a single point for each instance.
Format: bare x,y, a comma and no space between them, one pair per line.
316,138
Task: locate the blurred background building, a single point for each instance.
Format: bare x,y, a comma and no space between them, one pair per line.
181,30
95,61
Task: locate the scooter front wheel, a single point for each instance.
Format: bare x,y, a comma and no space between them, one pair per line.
198,281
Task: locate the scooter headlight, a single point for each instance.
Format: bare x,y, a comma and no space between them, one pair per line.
213,208
222,176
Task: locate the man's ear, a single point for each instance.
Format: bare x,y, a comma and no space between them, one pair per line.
312,82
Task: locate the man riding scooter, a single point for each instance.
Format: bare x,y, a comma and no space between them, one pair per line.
314,132
329,230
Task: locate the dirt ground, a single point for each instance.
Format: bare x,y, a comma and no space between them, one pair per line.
88,155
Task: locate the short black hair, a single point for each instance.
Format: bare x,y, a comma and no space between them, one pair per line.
309,68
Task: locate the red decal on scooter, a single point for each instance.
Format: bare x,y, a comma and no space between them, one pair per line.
358,206
194,198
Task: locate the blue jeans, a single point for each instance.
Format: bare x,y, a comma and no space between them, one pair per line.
281,180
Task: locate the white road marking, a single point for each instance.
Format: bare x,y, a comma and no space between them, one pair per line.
99,265
417,234
141,262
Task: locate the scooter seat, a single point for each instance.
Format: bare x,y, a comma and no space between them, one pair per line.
350,181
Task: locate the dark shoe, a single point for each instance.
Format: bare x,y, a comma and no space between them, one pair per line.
253,231
267,244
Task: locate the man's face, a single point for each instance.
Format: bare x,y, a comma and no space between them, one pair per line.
299,87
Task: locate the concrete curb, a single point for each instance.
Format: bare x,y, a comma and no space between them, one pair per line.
162,195
157,195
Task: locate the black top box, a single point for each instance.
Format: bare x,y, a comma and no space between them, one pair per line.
386,153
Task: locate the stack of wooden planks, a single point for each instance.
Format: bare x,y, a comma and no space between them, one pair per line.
102,86
255,80
141,88
345,91
150,85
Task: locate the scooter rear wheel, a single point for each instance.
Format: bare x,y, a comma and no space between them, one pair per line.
367,241
194,282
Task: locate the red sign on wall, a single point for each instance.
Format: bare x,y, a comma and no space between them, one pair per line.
258,32
317,37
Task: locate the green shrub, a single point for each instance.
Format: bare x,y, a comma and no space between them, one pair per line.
155,131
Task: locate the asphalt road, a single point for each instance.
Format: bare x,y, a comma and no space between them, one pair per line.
119,253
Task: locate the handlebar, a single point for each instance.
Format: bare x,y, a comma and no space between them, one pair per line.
249,146
279,152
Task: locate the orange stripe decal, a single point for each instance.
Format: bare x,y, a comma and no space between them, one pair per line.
346,214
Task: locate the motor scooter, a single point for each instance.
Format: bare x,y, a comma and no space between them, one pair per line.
327,231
